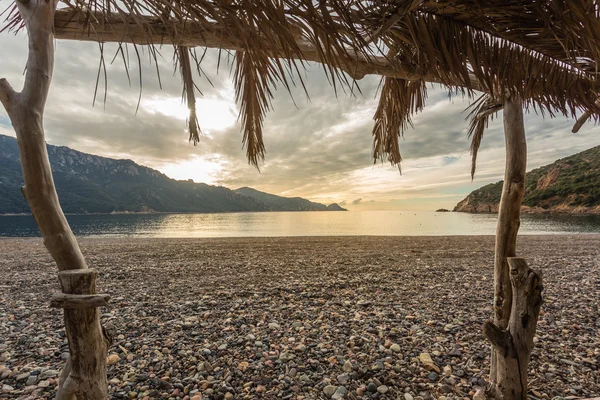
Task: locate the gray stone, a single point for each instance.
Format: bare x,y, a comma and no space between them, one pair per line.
274,325
329,390
433,376
32,380
22,377
340,393
286,356
378,366
383,389
343,379
49,373
348,366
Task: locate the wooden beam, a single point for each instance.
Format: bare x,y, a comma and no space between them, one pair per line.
123,28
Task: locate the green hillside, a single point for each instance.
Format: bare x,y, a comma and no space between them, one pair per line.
278,203
571,184
91,184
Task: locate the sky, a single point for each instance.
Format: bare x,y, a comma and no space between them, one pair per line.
318,148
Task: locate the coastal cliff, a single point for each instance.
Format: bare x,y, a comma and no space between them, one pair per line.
569,185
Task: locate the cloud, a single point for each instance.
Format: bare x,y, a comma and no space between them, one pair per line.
357,201
319,148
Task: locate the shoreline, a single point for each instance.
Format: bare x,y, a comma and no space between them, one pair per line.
524,211
172,212
534,210
289,317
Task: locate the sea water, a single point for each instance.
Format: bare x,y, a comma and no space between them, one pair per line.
354,223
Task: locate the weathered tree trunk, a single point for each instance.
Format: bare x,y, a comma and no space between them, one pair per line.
514,322
510,207
509,213
513,346
85,376
26,110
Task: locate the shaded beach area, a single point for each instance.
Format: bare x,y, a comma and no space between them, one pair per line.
301,317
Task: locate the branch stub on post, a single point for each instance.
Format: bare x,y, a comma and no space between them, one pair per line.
65,300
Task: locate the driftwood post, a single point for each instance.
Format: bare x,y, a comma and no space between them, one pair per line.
508,213
85,375
87,343
513,346
510,208
508,306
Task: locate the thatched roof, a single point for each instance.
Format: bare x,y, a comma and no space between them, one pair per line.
545,52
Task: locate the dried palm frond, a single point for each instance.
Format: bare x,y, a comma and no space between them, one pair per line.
481,112
568,31
399,100
545,52
253,93
453,51
189,93
257,74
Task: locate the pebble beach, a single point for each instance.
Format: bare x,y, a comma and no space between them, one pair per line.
301,317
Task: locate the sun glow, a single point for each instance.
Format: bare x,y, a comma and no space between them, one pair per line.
198,169
214,113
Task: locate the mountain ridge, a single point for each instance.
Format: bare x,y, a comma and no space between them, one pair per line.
568,185
89,184
279,203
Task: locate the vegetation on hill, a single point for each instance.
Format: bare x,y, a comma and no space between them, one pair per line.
571,184
279,203
91,184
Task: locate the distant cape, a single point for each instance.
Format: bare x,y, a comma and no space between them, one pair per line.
569,185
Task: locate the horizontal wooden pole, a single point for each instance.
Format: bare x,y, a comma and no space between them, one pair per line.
123,28
65,300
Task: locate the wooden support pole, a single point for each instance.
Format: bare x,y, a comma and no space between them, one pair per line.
26,112
84,376
509,214
513,346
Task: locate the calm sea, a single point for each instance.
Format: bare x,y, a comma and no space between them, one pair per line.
400,223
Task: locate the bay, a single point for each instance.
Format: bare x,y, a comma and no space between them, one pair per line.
351,223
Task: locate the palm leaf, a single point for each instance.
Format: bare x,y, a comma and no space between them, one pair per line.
544,52
482,110
399,100
183,54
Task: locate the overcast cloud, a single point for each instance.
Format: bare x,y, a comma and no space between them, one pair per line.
318,149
